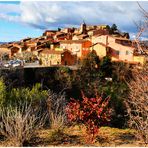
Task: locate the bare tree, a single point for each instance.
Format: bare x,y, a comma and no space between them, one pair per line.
19,123
137,104
142,27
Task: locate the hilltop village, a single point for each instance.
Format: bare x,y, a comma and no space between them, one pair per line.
69,46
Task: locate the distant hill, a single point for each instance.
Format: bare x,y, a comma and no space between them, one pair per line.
5,42
2,42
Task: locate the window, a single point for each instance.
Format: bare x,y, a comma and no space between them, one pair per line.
117,52
127,52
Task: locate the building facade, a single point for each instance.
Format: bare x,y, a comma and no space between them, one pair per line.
77,47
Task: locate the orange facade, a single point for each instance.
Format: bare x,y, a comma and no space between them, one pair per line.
86,44
78,47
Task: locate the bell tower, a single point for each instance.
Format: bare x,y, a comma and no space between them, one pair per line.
83,29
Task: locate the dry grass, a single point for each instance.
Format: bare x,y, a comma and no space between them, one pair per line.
75,136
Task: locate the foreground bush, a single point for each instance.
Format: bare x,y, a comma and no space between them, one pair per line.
19,123
92,112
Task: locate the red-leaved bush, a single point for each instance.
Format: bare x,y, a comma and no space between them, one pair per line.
92,112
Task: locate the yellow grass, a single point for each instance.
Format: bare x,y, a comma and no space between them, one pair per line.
75,136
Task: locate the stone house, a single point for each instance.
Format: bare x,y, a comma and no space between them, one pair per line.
49,33
100,48
60,36
119,49
67,58
77,47
16,49
5,52
52,57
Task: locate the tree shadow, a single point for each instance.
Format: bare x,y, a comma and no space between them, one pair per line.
56,139
103,140
117,140
125,138
2,138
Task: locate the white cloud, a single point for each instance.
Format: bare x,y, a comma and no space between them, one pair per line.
9,17
51,14
60,13
8,8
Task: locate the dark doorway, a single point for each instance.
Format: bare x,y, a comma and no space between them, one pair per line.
65,62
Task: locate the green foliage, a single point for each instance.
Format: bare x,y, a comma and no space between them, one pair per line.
106,67
118,91
2,92
84,78
91,62
108,27
18,95
47,45
88,74
59,29
64,77
114,27
64,70
126,34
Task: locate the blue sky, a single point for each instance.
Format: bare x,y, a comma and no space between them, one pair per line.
20,19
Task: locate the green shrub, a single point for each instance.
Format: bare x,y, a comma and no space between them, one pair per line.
2,92
17,95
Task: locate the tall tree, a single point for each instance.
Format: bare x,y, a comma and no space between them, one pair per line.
114,27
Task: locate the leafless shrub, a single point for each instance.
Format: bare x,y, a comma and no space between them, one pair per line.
56,108
57,121
137,104
19,123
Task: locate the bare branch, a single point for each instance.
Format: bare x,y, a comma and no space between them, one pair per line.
137,104
19,123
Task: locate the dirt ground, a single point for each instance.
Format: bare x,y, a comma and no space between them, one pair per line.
75,136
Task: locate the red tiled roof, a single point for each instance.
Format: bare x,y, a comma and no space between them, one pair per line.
50,30
60,33
121,38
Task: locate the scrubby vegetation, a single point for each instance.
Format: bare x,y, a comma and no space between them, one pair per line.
110,98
